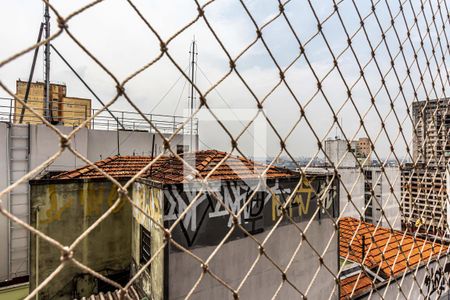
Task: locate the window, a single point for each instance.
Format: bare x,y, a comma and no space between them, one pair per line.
182,149
145,245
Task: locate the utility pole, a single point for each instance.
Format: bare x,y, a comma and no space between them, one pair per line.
193,55
47,114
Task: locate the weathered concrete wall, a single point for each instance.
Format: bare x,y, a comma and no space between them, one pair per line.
234,259
4,161
63,212
151,202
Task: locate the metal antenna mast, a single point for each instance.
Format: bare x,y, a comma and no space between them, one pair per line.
47,64
193,55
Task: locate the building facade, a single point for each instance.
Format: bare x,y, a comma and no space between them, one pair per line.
24,147
163,193
64,110
372,191
424,182
431,120
345,154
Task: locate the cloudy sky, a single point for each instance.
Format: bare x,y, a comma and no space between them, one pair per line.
113,32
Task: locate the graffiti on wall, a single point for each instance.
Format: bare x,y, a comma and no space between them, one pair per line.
438,280
207,220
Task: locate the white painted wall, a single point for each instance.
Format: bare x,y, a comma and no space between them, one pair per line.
235,258
352,182
337,153
3,184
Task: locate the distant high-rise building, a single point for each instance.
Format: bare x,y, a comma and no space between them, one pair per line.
364,147
424,182
432,122
338,152
64,110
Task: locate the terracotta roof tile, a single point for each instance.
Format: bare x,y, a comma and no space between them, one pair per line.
169,169
132,294
347,285
393,252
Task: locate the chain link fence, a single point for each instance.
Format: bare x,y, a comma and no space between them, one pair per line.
375,226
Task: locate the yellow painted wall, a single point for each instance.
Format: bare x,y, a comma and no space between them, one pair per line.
150,200
15,292
76,110
64,211
71,111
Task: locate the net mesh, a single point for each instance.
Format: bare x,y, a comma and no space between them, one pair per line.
379,67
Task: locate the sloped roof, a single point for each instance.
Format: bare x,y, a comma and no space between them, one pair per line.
132,294
392,251
169,169
362,282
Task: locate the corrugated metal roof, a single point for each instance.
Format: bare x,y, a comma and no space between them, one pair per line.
392,251
169,169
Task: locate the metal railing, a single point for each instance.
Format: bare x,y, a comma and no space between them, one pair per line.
353,67
105,120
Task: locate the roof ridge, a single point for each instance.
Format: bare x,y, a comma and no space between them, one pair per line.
88,167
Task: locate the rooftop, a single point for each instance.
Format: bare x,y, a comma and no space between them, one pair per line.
391,252
170,170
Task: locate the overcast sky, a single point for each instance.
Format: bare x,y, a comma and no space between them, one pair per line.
112,31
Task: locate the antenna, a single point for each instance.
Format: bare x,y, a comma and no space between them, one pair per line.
47,64
193,56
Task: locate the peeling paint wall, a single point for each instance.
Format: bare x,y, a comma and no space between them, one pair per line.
63,211
150,200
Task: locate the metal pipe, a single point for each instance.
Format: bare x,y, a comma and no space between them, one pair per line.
86,85
37,252
191,111
47,64
30,77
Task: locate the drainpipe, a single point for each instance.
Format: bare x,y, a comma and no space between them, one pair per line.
37,252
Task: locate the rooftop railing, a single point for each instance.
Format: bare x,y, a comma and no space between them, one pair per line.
74,114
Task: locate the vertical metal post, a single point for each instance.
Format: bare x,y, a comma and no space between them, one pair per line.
191,105
47,65
151,122
30,78
174,124
118,139
11,111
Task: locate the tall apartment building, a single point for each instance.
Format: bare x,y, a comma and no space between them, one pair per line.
64,110
338,152
371,189
432,122
424,182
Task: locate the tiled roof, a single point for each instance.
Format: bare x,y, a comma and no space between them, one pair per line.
391,251
169,169
131,294
362,282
